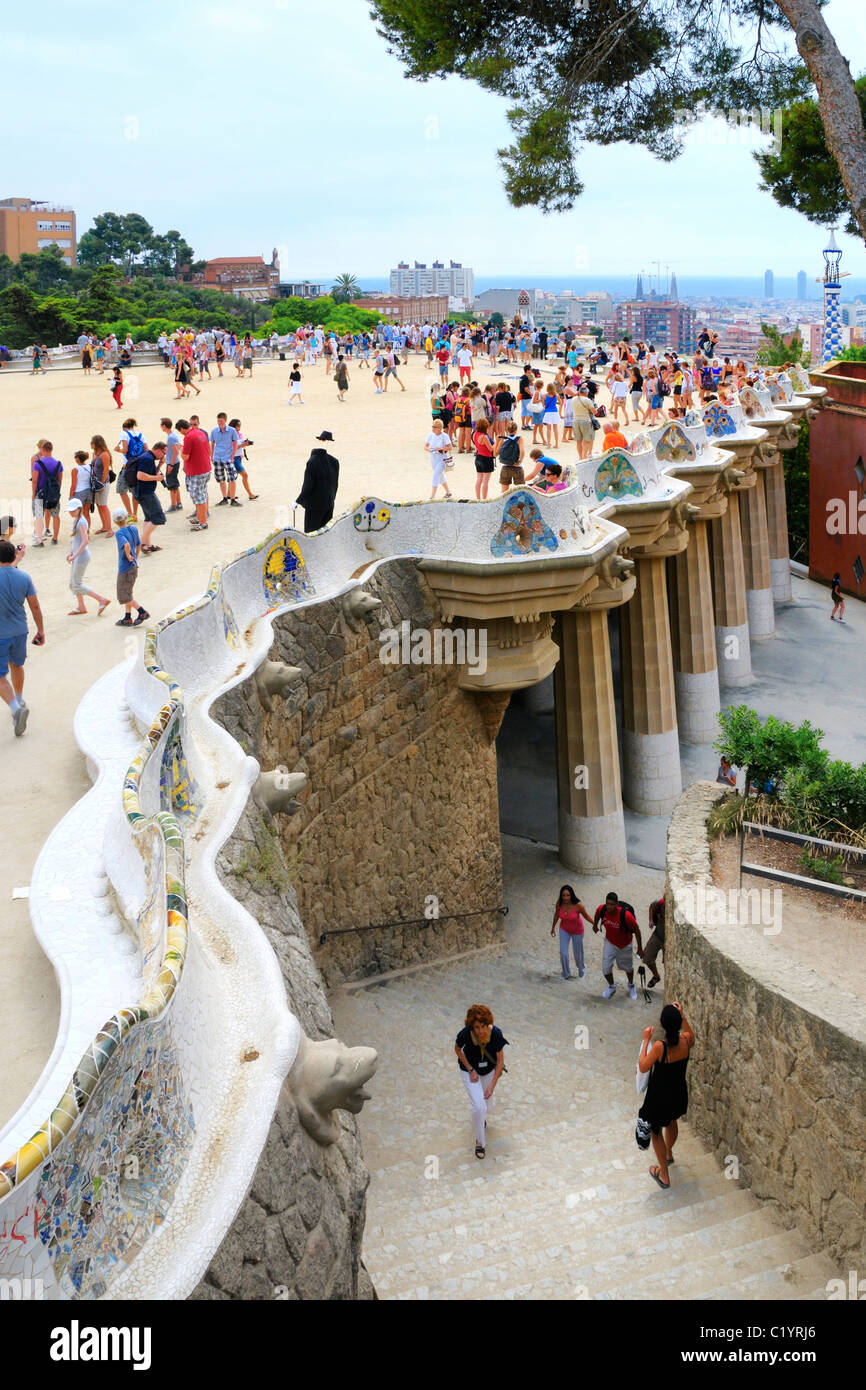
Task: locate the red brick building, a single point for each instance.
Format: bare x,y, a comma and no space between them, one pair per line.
249,277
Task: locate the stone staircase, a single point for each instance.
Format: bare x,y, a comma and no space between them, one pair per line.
563,1205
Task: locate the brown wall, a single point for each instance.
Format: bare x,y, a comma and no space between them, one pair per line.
837,439
402,797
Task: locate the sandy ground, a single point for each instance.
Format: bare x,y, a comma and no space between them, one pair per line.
379,441
817,930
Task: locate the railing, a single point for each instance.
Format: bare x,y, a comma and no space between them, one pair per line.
837,890
415,922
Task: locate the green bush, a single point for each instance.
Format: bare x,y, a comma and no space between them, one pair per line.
769,751
811,795
819,866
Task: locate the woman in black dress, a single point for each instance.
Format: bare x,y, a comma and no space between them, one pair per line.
838,599
667,1097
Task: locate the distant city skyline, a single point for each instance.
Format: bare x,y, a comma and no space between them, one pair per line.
418,176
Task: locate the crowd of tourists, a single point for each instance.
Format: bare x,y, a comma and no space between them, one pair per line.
662,1058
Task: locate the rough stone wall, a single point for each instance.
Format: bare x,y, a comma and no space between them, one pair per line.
298,1233
402,797
777,1077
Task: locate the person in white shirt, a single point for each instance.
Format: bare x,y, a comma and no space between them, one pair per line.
438,446
618,396
464,363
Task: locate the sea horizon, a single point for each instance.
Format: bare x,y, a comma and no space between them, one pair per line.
736,287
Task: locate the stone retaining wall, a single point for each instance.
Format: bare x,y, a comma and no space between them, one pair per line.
298,1233
402,801
778,1077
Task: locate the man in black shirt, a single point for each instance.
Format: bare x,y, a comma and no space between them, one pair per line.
480,1057
319,488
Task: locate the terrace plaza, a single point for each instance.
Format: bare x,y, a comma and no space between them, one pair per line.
180,1117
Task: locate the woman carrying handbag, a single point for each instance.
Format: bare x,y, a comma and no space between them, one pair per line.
666,1097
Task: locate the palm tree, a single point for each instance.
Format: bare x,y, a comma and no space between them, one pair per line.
345,287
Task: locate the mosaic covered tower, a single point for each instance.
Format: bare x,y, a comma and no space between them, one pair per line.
832,300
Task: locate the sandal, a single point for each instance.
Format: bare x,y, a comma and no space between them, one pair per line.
102,607
480,1150
654,1174
76,613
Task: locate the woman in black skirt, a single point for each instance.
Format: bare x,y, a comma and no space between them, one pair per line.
667,1097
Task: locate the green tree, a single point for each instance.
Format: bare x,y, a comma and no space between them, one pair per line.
772,750
853,354
345,287
103,299
601,71
496,320
800,171
796,465
775,350
44,271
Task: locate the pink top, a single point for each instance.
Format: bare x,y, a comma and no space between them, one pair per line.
570,920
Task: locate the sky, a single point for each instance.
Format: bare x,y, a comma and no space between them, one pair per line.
273,123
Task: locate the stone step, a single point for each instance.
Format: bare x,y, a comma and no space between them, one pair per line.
804,1278
562,1206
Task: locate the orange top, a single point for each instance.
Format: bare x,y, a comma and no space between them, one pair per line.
615,440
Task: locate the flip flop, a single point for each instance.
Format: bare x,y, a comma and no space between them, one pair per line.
102,607
76,613
654,1174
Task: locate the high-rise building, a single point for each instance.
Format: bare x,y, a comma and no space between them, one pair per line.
802,292
657,321
768,285
455,280
28,226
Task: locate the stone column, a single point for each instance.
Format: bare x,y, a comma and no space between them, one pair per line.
756,560
777,532
651,751
733,649
693,641
591,825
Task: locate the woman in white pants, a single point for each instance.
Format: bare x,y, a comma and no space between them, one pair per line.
438,445
480,1057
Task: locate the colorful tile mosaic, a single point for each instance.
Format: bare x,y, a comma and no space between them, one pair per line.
750,403
718,422
285,573
177,789
798,381
98,1203
523,530
616,476
776,392
230,627
674,446
372,515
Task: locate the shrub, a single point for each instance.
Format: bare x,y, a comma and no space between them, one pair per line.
819,866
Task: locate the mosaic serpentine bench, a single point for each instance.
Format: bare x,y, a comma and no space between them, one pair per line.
123,1180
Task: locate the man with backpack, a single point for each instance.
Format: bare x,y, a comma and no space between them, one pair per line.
620,925
46,473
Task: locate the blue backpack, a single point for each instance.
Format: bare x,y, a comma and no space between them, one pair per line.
135,446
